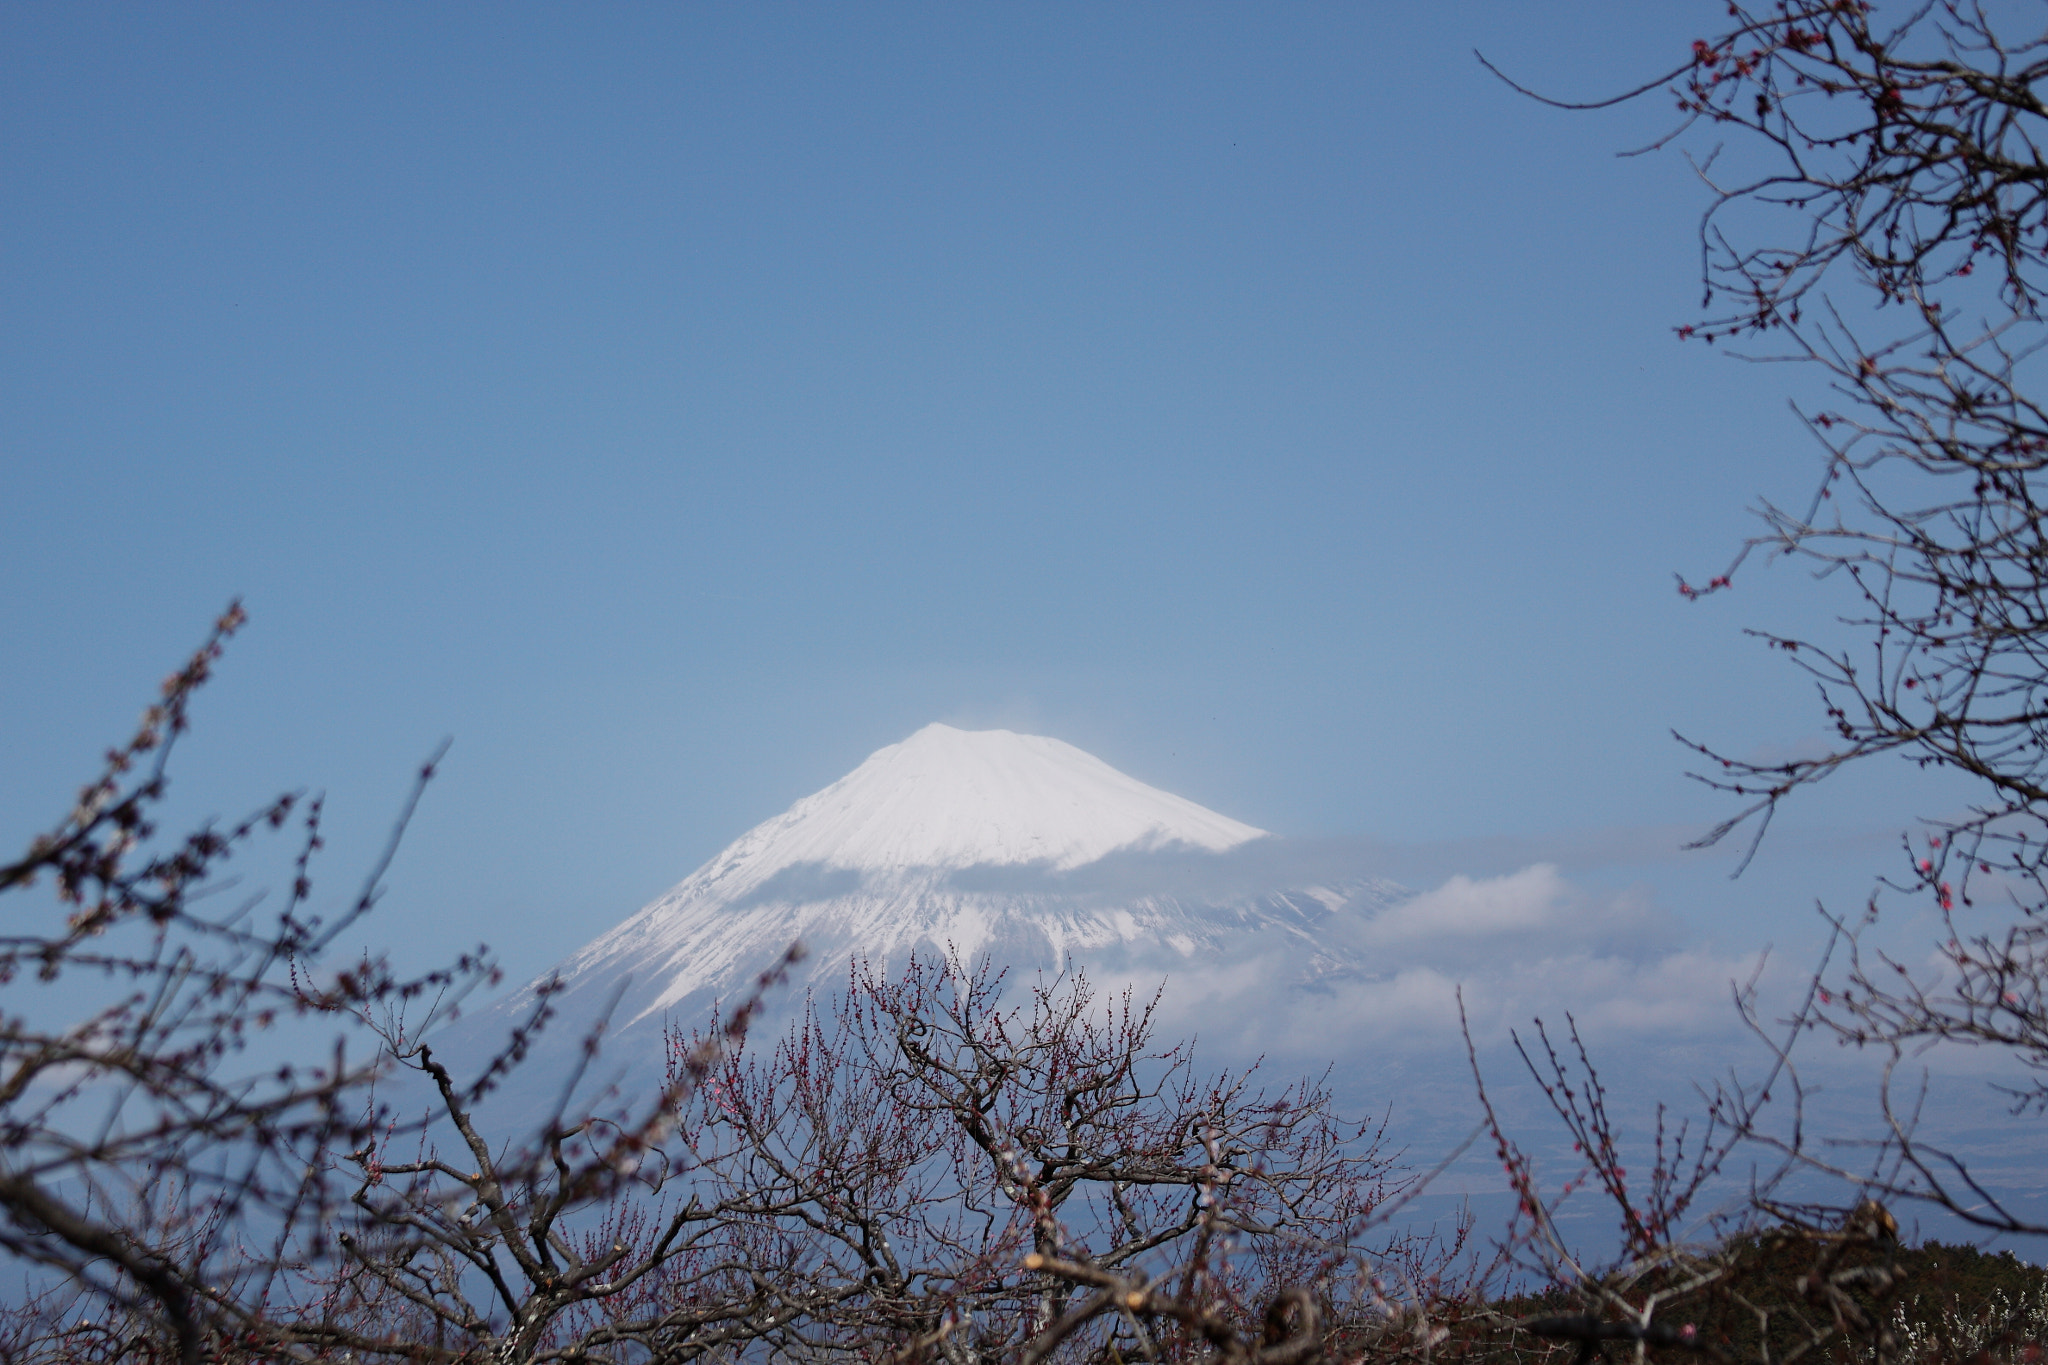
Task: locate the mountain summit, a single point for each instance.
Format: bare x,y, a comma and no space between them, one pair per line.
947,798
984,843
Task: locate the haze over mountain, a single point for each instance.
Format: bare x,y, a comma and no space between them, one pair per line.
1016,849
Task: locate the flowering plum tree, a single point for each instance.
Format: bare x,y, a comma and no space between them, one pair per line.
1879,212
150,1173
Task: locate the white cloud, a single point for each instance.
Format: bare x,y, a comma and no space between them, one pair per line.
1535,900
1524,945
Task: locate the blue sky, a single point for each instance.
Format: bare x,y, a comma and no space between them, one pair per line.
676,403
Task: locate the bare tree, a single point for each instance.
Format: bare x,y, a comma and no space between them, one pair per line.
1886,221
177,1183
1763,1280
456,1243
153,1171
918,1170
1878,212
990,1176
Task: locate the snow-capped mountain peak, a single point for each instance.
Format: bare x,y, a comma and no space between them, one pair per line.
947,798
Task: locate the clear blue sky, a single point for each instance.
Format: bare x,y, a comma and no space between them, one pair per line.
675,403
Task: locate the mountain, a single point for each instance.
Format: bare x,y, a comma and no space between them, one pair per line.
990,844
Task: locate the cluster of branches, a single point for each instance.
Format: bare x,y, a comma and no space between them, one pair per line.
1890,227
998,1182
1879,212
1897,238
1709,1269
147,1166
1757,1280
920,1170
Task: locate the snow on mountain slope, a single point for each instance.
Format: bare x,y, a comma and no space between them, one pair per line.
873,860
984,843
960,798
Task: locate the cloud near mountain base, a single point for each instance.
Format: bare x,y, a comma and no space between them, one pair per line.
1520,946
